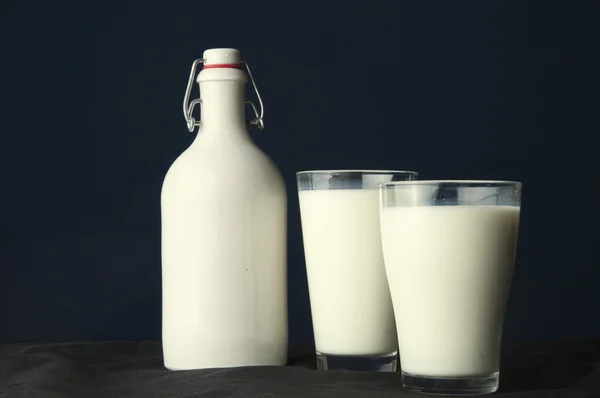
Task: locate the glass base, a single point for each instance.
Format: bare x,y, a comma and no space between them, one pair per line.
451,385
361,363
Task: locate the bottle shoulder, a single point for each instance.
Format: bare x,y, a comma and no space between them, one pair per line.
238,165
212,158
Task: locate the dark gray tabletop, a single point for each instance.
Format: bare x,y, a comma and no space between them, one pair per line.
134,369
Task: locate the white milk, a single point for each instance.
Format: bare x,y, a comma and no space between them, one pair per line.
449,269
349,295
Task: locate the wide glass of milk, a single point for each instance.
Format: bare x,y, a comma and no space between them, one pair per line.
352,314
449,250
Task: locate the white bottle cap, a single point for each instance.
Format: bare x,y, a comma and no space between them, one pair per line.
221,56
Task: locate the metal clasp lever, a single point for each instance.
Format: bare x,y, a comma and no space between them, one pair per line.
188,107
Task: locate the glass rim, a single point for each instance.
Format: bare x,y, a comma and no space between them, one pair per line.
357,171
456,183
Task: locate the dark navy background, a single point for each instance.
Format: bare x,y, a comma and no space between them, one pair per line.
91,121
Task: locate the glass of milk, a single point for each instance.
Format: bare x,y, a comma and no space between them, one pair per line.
352,314
449,251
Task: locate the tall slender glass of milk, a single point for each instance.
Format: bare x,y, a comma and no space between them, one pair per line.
449,250
350,300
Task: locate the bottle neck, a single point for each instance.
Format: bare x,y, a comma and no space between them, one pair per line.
223,108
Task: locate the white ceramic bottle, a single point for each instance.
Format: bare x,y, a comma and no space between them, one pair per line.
224,239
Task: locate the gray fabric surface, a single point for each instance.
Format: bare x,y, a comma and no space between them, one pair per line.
129,369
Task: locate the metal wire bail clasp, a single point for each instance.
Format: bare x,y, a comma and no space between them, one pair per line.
188,107
258,121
